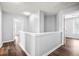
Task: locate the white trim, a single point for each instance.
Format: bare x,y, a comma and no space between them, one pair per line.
39,22
62,37
7,41
46,54
0,26
63,42
77,38
33,46
1,45
25,50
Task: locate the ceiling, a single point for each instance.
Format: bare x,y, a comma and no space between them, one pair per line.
20,7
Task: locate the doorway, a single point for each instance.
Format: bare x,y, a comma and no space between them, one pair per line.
17,27
71,25
71,32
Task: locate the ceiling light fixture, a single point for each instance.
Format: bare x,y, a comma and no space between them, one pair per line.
27,13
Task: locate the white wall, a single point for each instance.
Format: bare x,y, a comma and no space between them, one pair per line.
61,16
26,23
69,28
40,22
46,42
38,44
34,23
41,17
0,27
50,23
7,25
27,42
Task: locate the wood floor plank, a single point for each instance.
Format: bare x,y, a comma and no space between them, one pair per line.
71,48
10,49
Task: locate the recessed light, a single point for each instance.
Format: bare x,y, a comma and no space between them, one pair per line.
26,13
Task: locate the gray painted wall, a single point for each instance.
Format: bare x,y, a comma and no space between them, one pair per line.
50,23
7,25
0,26
41,21
38,44
34,22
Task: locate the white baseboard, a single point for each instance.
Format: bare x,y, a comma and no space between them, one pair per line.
24,50
1,45
46,54
7,41
62,43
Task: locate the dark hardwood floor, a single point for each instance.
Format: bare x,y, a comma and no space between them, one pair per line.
10,49
71,48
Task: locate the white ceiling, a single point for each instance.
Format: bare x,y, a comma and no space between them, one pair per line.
52,7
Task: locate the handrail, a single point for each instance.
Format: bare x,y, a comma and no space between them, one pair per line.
36,34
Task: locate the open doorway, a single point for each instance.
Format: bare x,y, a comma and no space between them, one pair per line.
71,32
17,27
72,25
